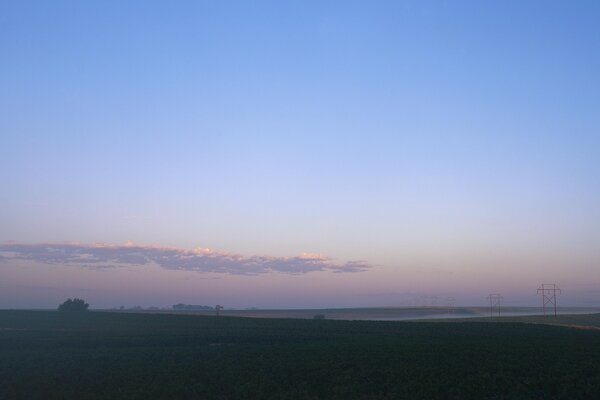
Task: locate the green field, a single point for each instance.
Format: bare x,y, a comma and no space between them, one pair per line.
52,355
578,321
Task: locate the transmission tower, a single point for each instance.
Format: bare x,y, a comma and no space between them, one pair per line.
450,304
548,292
495,302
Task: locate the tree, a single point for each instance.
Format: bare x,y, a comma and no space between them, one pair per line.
74,305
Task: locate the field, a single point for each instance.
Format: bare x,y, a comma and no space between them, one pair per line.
52,355
390,313
577,321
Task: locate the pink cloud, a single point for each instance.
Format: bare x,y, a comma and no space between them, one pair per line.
172,258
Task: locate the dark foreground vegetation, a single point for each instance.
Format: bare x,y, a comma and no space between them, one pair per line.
93,355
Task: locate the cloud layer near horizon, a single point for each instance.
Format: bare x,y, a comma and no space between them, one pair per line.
198,259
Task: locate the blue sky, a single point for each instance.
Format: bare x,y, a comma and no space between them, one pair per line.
429,139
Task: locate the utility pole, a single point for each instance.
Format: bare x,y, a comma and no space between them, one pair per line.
495,302
548,292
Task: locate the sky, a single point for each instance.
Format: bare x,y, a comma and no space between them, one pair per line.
300,153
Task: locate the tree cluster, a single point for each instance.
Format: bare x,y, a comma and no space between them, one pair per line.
191,307
74,305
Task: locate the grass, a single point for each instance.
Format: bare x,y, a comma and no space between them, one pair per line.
52,355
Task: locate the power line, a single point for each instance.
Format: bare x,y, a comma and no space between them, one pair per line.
450,304
495,302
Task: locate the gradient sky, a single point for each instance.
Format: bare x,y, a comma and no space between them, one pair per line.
450,147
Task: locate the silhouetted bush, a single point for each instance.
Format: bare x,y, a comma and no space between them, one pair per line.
74,305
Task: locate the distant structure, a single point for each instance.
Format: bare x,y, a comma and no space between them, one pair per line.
495,303
191,307
548,292
218,309
450,304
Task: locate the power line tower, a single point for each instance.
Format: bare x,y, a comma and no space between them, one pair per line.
548,292
450,304
495,302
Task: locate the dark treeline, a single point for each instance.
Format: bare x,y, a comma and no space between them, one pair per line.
191,307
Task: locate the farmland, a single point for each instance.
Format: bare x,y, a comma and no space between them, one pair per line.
52,355
388,313
579,321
